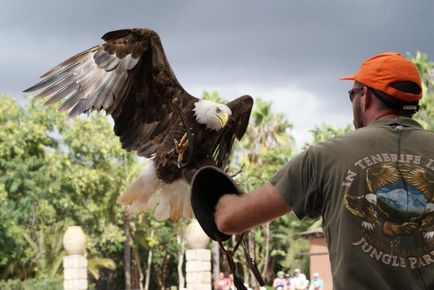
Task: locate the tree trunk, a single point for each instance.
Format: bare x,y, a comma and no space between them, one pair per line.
181,242
215,251
266,248
161,276
127,250
251,244
137,264
148,270
246,270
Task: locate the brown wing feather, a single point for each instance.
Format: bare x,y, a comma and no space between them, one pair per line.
235,128
129,77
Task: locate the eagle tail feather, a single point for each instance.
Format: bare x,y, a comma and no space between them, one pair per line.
139,195
148,192
162,211
174,201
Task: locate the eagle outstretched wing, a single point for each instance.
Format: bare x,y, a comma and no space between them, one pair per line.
129,77
236,127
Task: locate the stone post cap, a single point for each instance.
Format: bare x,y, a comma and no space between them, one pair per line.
74,240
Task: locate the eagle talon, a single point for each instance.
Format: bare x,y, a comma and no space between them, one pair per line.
226,170
181,146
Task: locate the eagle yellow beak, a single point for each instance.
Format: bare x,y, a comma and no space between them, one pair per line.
223,117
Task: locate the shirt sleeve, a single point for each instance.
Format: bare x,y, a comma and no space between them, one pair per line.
297,182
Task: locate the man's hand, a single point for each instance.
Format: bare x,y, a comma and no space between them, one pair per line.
223,209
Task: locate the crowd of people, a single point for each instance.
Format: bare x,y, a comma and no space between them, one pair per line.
283,281
297,282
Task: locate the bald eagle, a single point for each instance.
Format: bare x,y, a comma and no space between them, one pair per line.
128,76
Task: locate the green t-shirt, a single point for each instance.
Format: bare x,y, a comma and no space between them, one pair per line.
379,229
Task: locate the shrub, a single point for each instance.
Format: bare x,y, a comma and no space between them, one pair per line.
54,283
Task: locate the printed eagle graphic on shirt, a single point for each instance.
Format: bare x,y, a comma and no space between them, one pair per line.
410,204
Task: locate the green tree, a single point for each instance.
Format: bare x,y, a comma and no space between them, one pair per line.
325,132
27,166
426,69
266,147
56,172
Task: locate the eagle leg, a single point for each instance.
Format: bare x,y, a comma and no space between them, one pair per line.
181,146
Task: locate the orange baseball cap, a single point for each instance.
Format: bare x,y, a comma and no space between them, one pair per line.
383,69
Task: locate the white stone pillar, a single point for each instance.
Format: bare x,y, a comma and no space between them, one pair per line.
198,269
74,264
198,258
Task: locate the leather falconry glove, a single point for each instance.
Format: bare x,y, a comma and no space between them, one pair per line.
208,184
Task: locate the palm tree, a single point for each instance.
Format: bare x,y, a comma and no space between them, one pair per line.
265,148
47,246
95,263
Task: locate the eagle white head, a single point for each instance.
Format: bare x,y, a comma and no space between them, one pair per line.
214,116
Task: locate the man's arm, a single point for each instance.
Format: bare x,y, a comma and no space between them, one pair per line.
236,214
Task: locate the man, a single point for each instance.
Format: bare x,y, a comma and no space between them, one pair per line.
373,187
317,283
299,281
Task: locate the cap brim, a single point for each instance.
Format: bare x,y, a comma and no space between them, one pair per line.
351,77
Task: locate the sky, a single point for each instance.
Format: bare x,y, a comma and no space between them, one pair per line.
289,52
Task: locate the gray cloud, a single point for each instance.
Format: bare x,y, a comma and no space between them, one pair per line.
251,44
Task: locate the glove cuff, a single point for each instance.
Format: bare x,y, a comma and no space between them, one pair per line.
209,183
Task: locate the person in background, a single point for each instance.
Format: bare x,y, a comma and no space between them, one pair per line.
299,281
316,283
288,281
279,283
221,283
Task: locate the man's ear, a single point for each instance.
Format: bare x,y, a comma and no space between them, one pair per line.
367,98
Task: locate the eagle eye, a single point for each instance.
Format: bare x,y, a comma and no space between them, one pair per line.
218,110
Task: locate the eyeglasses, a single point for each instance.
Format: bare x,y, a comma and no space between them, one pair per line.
353,91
